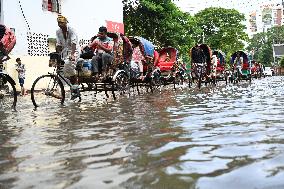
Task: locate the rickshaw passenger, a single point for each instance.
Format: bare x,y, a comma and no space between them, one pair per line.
214,64
67,41
137,60
104,50
156,58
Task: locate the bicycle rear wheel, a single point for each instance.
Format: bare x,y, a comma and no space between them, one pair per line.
8,93
122,83
46,90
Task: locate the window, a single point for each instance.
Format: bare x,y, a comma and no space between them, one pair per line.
276,21
51,5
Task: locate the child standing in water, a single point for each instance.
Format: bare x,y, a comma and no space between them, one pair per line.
21,75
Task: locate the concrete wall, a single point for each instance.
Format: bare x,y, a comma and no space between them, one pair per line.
35,67
85,16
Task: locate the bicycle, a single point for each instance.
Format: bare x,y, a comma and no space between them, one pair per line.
49,88
8,93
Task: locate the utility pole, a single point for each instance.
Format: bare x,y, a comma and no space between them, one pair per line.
273,51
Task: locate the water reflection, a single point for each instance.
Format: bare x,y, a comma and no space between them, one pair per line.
189,138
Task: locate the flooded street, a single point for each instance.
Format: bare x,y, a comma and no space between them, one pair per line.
217,137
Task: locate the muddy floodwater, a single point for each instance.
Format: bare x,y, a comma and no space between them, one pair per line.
229,137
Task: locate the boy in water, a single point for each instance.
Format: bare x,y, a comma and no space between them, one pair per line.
21,75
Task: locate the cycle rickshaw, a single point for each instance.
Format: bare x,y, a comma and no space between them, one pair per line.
169,67
241,67
256,69
146,77
221,74
50,88
8,93
201,64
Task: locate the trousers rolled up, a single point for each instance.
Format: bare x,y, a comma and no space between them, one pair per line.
106,60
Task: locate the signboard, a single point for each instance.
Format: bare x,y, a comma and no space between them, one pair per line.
278,50
115,27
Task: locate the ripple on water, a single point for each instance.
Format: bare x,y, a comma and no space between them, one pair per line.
217,137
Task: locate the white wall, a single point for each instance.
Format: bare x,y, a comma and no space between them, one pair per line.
85,16
39,21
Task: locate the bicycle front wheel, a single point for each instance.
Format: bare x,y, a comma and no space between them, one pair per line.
8,93
47,90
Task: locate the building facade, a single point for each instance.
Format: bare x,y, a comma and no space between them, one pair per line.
265,17
34,23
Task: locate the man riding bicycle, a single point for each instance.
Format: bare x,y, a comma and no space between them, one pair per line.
67,44
238,62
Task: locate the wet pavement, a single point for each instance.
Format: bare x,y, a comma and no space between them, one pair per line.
217,137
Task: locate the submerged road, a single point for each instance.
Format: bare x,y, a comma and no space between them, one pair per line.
217,137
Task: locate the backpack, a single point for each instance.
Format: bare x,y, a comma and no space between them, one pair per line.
7,40
87,53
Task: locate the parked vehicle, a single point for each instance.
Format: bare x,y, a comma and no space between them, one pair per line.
268,71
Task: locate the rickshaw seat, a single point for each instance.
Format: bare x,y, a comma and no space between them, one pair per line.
165,66
166,63
220,68
245,66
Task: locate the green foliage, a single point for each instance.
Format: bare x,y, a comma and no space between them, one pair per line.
161,22
282,62
223,29
262,44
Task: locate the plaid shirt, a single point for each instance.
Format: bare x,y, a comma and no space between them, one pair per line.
137,56
21,70
106,42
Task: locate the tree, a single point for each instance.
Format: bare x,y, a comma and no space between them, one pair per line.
222,29
261,48
262,44
161,22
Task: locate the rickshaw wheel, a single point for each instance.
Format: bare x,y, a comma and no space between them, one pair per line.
122,83
190,81
156,80
8,94
46,90
178,80
199,81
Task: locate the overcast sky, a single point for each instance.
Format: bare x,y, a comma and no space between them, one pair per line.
244,6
